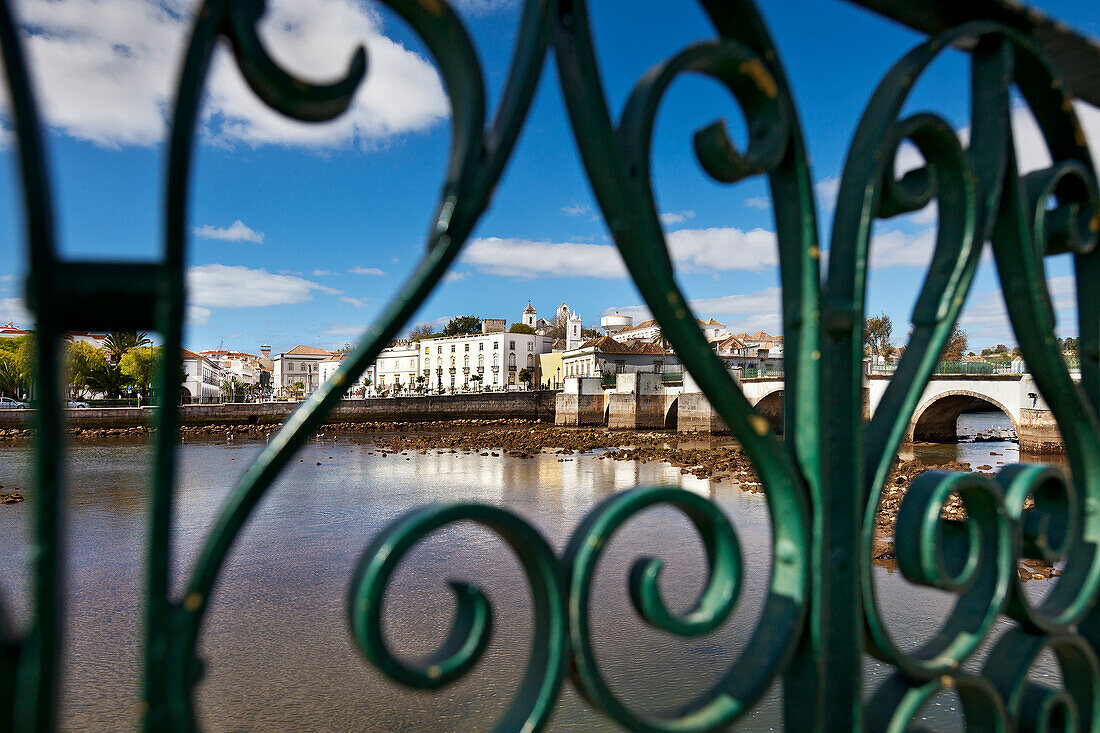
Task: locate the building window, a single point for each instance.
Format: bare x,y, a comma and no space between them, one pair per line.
290,366
467,347
512,345
452,348
530,346
481,346
496,344
439,349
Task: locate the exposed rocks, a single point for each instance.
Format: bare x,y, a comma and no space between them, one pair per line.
12,498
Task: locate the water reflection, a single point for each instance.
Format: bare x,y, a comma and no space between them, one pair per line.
277,651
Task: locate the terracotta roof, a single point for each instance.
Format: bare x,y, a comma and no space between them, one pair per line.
301,350
608,345
710,322
730,342
190,354
11,332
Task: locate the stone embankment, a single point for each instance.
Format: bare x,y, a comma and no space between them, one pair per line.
532,405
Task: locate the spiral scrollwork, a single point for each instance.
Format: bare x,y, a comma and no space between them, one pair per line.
470,633
822,485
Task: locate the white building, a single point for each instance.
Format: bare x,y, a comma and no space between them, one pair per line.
564,317
95,340
650,330
482,360
759,350
397,365
245,367
605,355
203,378
300,364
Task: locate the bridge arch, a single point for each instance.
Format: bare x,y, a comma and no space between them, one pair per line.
770,406
936,421
672,413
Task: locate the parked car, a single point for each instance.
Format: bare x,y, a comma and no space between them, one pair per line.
74,403
7,403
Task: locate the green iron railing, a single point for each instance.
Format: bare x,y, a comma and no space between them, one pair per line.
822,486
771,372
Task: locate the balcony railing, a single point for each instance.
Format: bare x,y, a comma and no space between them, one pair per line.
822,483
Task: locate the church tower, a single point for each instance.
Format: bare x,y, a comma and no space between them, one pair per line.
529,316
573,331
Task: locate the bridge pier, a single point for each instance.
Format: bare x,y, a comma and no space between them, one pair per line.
639,401
695,415
1038,432
581,402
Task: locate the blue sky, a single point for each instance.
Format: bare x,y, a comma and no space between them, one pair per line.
301,233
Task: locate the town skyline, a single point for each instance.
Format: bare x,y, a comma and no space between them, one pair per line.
301,234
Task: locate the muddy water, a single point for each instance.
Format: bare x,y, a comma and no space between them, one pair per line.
277,653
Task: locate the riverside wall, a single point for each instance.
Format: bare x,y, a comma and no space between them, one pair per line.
533,405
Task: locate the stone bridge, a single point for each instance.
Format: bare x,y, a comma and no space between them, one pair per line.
641,401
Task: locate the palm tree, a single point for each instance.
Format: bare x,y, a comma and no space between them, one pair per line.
118,343
108,379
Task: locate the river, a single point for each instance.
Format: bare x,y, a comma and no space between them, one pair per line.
277,652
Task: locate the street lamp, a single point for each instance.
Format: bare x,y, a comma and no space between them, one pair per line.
557,378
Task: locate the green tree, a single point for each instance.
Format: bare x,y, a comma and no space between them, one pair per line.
232,389
956,345
12,377
137,365
265,379
16,365
82,360
525,376
422,330
460,325
298,387
877,331
521,328
108,379
118,343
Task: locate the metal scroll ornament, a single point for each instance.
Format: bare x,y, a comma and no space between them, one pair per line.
822,487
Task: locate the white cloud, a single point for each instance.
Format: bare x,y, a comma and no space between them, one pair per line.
342,330
527,258
107,69
897,249
723,248
758,202
321,273
750,311
985,317
14,310
225,286
454,276
357,302
197,316
576,210
238,231
692,250
676,217
365,271
826,191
